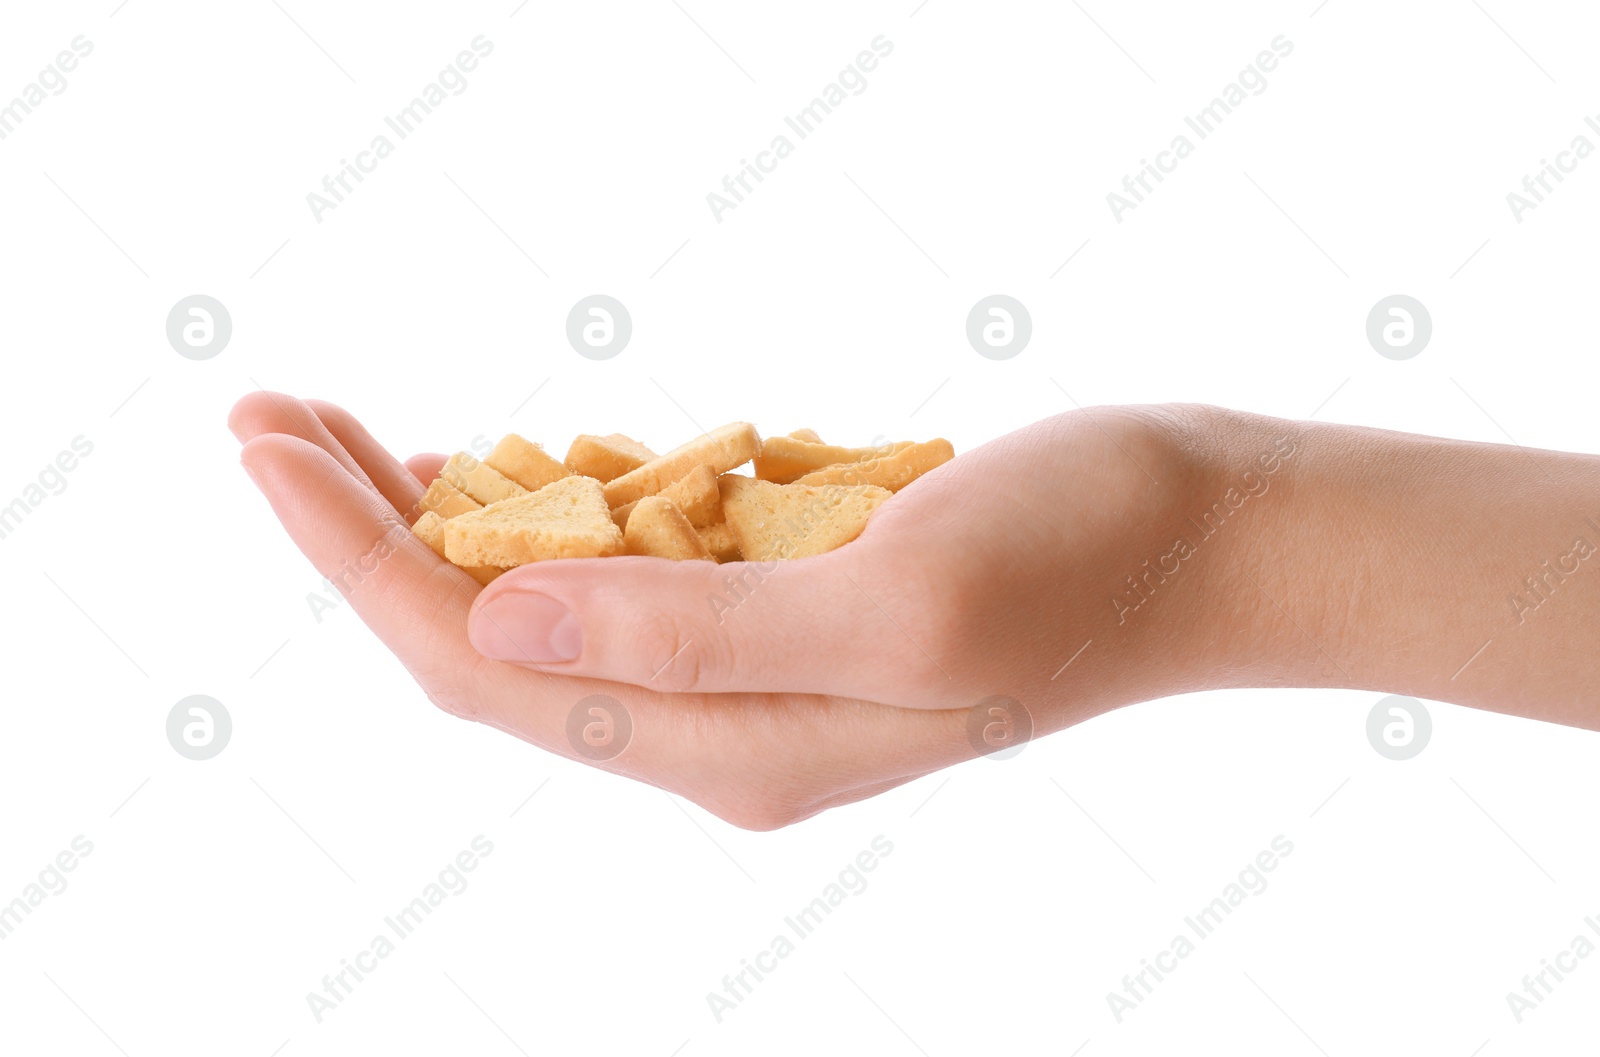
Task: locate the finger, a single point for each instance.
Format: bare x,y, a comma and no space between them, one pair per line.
394,581
393,480
830,624
259,413
413,600
426,467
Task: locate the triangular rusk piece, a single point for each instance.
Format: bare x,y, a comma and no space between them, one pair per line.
786,459
606,458
525,462
657,527
565,519
893,472
479,480
722,449
720,541
446,500
695,494
430,528
773,521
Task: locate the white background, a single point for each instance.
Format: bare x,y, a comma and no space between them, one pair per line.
977,161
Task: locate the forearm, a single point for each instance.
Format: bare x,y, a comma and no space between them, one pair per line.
1443,569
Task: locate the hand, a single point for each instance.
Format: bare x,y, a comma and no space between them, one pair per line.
1087,561
815,682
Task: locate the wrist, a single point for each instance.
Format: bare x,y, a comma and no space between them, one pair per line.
1201,498
1235,593
1398,563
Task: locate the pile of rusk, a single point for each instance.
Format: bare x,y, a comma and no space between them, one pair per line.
614,496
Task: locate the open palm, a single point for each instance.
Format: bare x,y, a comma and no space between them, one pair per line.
810,683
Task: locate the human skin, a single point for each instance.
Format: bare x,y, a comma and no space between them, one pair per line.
1088,561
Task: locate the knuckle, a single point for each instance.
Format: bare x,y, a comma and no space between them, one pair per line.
671,657
451,690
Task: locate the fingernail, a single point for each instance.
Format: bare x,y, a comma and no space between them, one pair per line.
523,626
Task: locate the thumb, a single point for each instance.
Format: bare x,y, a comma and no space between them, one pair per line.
829,624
